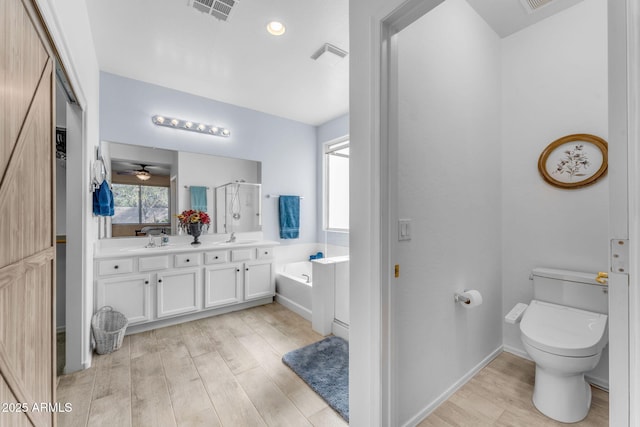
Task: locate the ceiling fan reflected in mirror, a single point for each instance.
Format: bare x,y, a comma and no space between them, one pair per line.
142,174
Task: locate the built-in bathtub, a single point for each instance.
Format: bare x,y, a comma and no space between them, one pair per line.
324,300
294,288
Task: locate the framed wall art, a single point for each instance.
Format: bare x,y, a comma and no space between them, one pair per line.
574,161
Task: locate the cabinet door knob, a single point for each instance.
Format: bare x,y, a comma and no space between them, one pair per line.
247,269
187,259
146,282
216,257
115,266
237,269
159,280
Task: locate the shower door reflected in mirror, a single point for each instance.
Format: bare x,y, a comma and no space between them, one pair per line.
238,207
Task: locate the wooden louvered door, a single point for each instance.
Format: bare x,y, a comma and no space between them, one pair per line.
27,200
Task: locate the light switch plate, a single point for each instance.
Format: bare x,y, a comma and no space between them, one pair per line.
404,229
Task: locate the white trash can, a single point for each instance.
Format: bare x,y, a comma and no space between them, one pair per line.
108,328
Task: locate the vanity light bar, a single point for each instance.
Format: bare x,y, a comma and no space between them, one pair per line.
171,122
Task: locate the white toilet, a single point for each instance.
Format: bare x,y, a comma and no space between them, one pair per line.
564,330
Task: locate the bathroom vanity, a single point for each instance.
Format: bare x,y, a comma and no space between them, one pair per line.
165,285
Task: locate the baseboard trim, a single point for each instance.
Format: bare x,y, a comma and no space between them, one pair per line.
294,306
517,352
596,382
170,321
451,390
340,329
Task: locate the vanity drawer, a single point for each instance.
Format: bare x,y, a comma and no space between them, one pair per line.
264,253
241,254
187,260
108,267
217,257
153,263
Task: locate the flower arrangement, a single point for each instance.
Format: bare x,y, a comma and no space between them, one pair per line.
192,217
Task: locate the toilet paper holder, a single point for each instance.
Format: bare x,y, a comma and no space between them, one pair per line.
458,297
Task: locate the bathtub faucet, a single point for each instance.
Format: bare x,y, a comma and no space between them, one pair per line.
308,277
232,238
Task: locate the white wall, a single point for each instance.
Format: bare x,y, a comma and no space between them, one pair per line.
554,83
449,186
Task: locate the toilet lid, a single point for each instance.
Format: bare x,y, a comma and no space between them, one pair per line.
562,330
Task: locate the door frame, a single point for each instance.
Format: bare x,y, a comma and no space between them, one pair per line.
79,230
390,24
632,86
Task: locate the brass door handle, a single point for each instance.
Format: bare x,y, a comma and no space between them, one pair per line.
602,277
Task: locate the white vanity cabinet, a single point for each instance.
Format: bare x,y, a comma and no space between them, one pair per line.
154,290
222,285
178,292
258,279
130,295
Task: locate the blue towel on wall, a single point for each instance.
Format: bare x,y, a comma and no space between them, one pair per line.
103,200
289,217
198,198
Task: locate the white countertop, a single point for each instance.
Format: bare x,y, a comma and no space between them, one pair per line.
137,247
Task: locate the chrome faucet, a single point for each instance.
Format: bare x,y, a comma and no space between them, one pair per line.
152,242
232,238
308,277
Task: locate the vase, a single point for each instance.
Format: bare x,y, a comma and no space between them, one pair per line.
195,229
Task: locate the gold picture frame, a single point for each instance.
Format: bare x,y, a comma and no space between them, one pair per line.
574,161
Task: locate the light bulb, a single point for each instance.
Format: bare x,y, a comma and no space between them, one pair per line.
225,132
188,125
160,119
276,28
201,127
174,122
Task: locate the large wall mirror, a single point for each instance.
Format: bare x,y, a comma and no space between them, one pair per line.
151,185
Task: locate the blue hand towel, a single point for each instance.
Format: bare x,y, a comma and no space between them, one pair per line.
289,217
198,198
103,200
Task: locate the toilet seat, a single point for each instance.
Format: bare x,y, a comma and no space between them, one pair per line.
563,331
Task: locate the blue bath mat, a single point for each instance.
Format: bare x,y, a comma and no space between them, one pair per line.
324,365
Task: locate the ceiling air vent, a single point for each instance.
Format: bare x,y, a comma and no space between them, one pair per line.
329,48
220,9
533,5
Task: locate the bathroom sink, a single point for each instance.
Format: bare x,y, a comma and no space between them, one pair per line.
236,242
154,249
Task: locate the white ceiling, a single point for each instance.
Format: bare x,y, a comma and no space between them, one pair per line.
168,43
509,16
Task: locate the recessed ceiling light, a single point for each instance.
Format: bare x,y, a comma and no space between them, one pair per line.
276,28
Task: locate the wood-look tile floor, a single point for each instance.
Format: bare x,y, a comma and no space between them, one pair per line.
500,395
227,371
220,371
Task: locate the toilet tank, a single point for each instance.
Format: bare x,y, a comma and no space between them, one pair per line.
570,288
